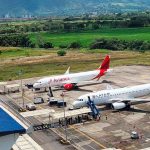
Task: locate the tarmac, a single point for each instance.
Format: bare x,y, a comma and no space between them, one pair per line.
114,128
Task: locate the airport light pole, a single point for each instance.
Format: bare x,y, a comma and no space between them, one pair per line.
66,136
51,120
21,85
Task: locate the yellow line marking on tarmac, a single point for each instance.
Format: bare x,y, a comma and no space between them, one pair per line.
102,146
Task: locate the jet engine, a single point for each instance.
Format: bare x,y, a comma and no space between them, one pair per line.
118,105
68,86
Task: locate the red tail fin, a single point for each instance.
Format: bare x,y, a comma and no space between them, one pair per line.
105,63
103,68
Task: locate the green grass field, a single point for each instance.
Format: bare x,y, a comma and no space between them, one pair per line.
22,52
41,62
48,63
85,38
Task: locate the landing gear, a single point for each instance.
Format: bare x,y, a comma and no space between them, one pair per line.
109,106
50,92
75,86
128,107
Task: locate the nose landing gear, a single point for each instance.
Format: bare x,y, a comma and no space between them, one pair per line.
50,92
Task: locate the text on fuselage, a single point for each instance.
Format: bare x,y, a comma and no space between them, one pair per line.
57,80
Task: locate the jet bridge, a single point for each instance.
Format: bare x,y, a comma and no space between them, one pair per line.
94,109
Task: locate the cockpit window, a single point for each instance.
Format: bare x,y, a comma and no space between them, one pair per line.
38,82
79,99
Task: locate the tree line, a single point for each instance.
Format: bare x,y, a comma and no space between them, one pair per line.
22,40
19,40
75,24
117,44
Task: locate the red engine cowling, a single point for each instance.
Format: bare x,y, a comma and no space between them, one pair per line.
68,86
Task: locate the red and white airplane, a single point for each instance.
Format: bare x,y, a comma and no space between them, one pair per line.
70,80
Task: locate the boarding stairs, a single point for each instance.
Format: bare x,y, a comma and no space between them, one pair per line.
94,109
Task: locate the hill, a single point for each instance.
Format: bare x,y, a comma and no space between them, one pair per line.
69,7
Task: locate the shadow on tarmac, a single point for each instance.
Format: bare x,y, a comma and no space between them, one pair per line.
132,110
139,110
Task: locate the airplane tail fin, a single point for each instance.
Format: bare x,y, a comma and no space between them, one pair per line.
104,67
68,70
105,64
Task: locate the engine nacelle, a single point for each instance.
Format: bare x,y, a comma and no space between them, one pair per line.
118,105
68,86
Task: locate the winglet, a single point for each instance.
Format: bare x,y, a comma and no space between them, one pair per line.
105,64
68,70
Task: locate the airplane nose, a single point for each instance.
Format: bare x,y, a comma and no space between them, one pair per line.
35,85
75,105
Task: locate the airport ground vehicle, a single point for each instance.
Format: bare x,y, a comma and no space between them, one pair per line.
38,100
134,135
30,107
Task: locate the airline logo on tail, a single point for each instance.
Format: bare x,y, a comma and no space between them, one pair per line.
103,68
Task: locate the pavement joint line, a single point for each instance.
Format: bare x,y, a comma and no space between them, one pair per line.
102,146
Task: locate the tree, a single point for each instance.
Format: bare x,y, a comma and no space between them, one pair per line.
75,45
95,26
63,46
32,45
46,45
20,40
145,46
61,53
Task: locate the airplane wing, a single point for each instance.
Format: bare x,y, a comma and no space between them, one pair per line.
82,83
132,101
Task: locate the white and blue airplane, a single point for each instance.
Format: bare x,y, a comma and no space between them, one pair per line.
117,98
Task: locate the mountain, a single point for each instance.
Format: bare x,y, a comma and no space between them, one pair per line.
69,7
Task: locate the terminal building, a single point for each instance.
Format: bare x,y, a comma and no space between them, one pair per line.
11,127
